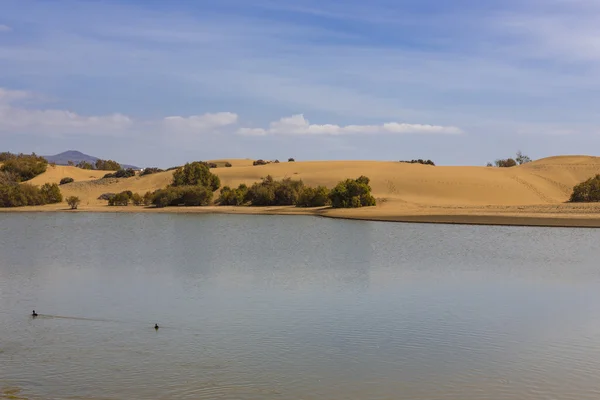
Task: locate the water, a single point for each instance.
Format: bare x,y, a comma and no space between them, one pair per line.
274,307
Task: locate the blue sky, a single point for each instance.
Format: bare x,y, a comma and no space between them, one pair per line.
152,82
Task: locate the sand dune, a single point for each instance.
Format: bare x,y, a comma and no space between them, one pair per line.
404,191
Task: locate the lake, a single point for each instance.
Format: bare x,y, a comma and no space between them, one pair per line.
291,307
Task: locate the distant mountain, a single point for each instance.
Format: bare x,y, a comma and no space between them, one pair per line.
76,157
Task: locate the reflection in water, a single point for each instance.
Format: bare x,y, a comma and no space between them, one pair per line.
254,307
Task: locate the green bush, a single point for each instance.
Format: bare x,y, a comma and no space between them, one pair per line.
275,193
233,197
16,195
122,173
259,162
587,191
66,180
107,165
196,173
119,199
51,193
419,161
228,164
137,200
182,195
313,197
148,171
84,165
352,193
24,167
73,202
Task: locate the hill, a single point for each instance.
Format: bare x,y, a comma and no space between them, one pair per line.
536,192
76,156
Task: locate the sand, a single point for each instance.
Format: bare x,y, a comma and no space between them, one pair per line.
532,194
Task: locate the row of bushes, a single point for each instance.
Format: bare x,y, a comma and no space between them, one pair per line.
350,193
511,162
419,161
99,164
23,166
18,195
122,173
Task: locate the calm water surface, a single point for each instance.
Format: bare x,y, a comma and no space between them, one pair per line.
266,307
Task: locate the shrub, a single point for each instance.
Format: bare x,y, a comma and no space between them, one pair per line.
313,197
106,196
66,180
352,193
122,173
137,200
233,197
73,202
51,193
505,163
587,191
120,199
522,158
212,165
275,193
259,162
182,195
276,162
24,167
8,178
84,165
148,171
15,195
228,164
148,196
291,160
196,173
107,165
172,168
420,161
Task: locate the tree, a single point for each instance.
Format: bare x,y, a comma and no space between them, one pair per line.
291,160
107,165
521,158
196,173
233,197
313,197
137,199
73,202
119,199
84,165
51,193
228,164
587,191
352,193
70,163
23,166
66,180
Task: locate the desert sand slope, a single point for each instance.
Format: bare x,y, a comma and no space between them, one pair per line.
402,190
56,173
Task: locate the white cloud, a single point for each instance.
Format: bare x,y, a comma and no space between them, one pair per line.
298,125
5,28
15,119
19,119
200,123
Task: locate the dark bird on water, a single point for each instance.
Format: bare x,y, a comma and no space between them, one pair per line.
34,314
156,326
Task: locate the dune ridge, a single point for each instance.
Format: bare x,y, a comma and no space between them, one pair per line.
531,194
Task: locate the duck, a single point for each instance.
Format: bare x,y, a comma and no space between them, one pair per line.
34,314
156,326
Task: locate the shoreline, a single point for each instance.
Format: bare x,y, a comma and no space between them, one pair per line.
456,216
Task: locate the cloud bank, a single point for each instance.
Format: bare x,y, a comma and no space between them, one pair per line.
15,119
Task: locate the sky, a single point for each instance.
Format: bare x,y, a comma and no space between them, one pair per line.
157,83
